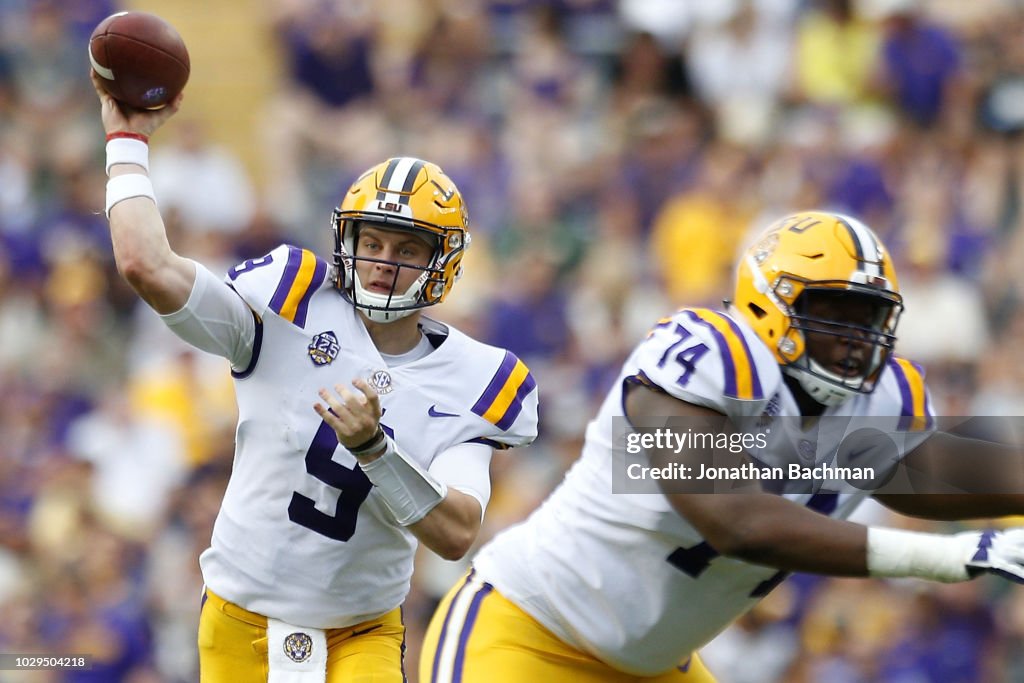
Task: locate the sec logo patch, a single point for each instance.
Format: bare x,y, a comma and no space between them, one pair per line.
381,381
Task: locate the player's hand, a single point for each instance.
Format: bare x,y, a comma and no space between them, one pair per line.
118,118
997,552
353,415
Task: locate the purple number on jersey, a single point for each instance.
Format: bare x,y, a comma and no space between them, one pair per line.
688,357
352,484
694,560
250,265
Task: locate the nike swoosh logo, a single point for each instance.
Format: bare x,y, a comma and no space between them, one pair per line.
434,412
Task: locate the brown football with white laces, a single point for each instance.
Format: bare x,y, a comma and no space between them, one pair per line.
140,58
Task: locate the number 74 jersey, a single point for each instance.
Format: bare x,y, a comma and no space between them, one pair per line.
623,576
301,534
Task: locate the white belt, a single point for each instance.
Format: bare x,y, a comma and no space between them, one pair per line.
296,654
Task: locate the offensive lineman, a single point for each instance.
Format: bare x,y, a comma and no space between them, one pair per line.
312,550
603,587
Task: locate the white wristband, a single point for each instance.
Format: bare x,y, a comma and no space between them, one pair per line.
127,151
408,490
127,186
939,557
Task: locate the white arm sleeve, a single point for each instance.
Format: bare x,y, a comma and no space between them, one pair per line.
466,468
215,319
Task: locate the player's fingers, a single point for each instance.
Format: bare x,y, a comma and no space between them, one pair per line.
365,415
341,423
175,104
326,413
356,402
339,410
360,416
95,78
106,100
347,396
161,115
369,393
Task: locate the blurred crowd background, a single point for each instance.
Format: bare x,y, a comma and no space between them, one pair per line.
614,154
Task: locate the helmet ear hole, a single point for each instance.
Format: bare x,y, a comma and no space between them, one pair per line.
758,312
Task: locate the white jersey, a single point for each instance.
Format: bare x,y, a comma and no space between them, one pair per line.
625,577
301,534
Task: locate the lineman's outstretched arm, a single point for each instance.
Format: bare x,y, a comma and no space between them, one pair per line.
990,474
757,527
766,529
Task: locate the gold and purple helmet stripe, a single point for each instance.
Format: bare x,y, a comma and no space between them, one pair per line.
399,179
741,380
303,275
502,400
870,258
915,414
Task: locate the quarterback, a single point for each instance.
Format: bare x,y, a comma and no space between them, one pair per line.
364,427
601,587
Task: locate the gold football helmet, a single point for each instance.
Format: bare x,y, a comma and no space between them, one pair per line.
404,194
820,290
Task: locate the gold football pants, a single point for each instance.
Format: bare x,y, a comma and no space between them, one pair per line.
479,636
233,647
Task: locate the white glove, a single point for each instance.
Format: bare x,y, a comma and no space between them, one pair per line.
946,558
998,552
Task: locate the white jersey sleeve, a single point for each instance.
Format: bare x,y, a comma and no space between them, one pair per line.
508,402
707,358
466,468
902,405
215,319
915,403
281,283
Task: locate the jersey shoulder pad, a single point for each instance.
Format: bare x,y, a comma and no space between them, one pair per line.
280,283
505,396
708,358
902,391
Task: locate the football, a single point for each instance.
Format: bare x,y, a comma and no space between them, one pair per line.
140,58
